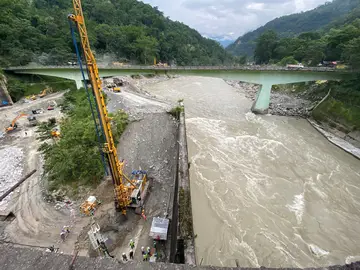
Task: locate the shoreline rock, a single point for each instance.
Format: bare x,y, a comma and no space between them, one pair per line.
280,103
292,105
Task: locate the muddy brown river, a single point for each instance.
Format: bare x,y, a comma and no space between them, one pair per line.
266,190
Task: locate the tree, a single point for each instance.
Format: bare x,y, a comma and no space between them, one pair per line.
16,89
309,36
265,47
241,59
147,48
351,53
288,60
75,158
314,53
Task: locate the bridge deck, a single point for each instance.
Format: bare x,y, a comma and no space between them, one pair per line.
200,68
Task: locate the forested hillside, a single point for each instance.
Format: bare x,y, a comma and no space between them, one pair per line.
38,31
325,16
311,48
338,42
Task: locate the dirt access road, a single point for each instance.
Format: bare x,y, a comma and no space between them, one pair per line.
37,222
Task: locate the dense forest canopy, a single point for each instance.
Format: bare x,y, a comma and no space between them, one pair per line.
331,14
38,31
311,48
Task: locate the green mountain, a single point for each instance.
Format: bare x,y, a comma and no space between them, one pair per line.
38,31
330,14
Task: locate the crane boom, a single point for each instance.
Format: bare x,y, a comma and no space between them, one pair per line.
13,122
116,166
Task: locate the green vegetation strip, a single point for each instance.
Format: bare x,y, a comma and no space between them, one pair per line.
74,159
27,85
185,214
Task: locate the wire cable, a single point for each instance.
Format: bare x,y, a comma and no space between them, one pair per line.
88,94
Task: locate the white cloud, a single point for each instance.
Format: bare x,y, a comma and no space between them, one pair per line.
255,6
229,18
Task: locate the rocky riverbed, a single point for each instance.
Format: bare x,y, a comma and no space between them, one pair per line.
280,103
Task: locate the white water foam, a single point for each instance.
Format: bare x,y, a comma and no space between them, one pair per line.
351,259
297,207
318,252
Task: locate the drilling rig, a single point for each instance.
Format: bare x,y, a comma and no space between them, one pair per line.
127,192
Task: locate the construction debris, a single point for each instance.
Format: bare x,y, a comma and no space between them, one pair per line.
16,185
11,159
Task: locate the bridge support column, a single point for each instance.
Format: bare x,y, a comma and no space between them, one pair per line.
79,84
262,101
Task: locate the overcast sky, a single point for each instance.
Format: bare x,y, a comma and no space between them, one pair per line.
229,18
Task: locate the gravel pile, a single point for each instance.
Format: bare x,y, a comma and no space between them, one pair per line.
11,160
286,105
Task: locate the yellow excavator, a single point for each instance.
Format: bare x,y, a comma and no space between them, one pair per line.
55,133
128,192
13,124
43,93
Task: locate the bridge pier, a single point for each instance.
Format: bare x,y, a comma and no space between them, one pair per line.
262,101
79,84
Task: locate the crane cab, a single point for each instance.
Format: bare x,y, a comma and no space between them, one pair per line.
137,196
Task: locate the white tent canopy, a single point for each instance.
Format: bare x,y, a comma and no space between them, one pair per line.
159,228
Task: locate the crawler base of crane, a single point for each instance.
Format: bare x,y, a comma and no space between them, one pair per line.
139,206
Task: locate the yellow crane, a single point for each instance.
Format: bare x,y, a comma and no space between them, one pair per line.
127,192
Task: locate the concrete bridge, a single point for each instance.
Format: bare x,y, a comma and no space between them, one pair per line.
266,76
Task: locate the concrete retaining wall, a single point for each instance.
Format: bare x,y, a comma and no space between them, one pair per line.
185,232
182,234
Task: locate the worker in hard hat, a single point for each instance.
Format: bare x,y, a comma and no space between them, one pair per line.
145,257
142,250
63,235
66,229
124,257
148,250
143,214
132,244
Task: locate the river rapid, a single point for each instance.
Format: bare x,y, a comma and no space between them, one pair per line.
266,190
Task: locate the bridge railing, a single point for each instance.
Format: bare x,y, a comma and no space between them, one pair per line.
235,67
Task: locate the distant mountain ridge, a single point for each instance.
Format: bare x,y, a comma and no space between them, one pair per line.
294,24
224,42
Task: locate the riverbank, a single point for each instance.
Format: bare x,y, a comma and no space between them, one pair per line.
289,101
281,103
338,141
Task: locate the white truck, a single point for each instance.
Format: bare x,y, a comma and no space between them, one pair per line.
297,66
